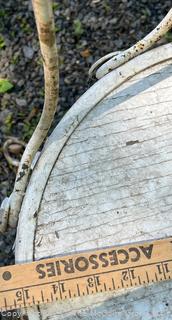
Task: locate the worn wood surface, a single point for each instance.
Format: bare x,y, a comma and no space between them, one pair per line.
85,273
111,184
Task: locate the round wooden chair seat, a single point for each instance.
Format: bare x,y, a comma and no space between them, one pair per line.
104,178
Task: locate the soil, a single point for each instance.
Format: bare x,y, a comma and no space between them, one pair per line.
85,31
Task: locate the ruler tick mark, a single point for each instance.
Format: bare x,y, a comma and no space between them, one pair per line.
70,294
33,290
113,283
131,284
60,291
156,277
95,283
42,296
78,290
147,276
5,302
15,304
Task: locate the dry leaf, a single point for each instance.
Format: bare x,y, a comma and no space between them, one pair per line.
85,53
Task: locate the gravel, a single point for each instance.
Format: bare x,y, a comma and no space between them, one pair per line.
86,30
21,102
28,52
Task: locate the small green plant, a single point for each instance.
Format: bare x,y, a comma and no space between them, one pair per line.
25,27
78,28
5,85
41,92
2,13
29,127
57,28
39,61
28,130
56,6
9,123
12,34
146,12
15,60
106,6
168,36
2,42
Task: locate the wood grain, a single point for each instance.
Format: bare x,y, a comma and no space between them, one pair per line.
87,273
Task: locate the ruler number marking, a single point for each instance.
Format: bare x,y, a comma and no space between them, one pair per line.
129,266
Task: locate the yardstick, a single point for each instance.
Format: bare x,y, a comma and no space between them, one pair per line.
85,273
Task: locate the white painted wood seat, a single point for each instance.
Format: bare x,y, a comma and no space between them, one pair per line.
105,178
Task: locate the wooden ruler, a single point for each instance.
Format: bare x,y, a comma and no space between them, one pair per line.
85,273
